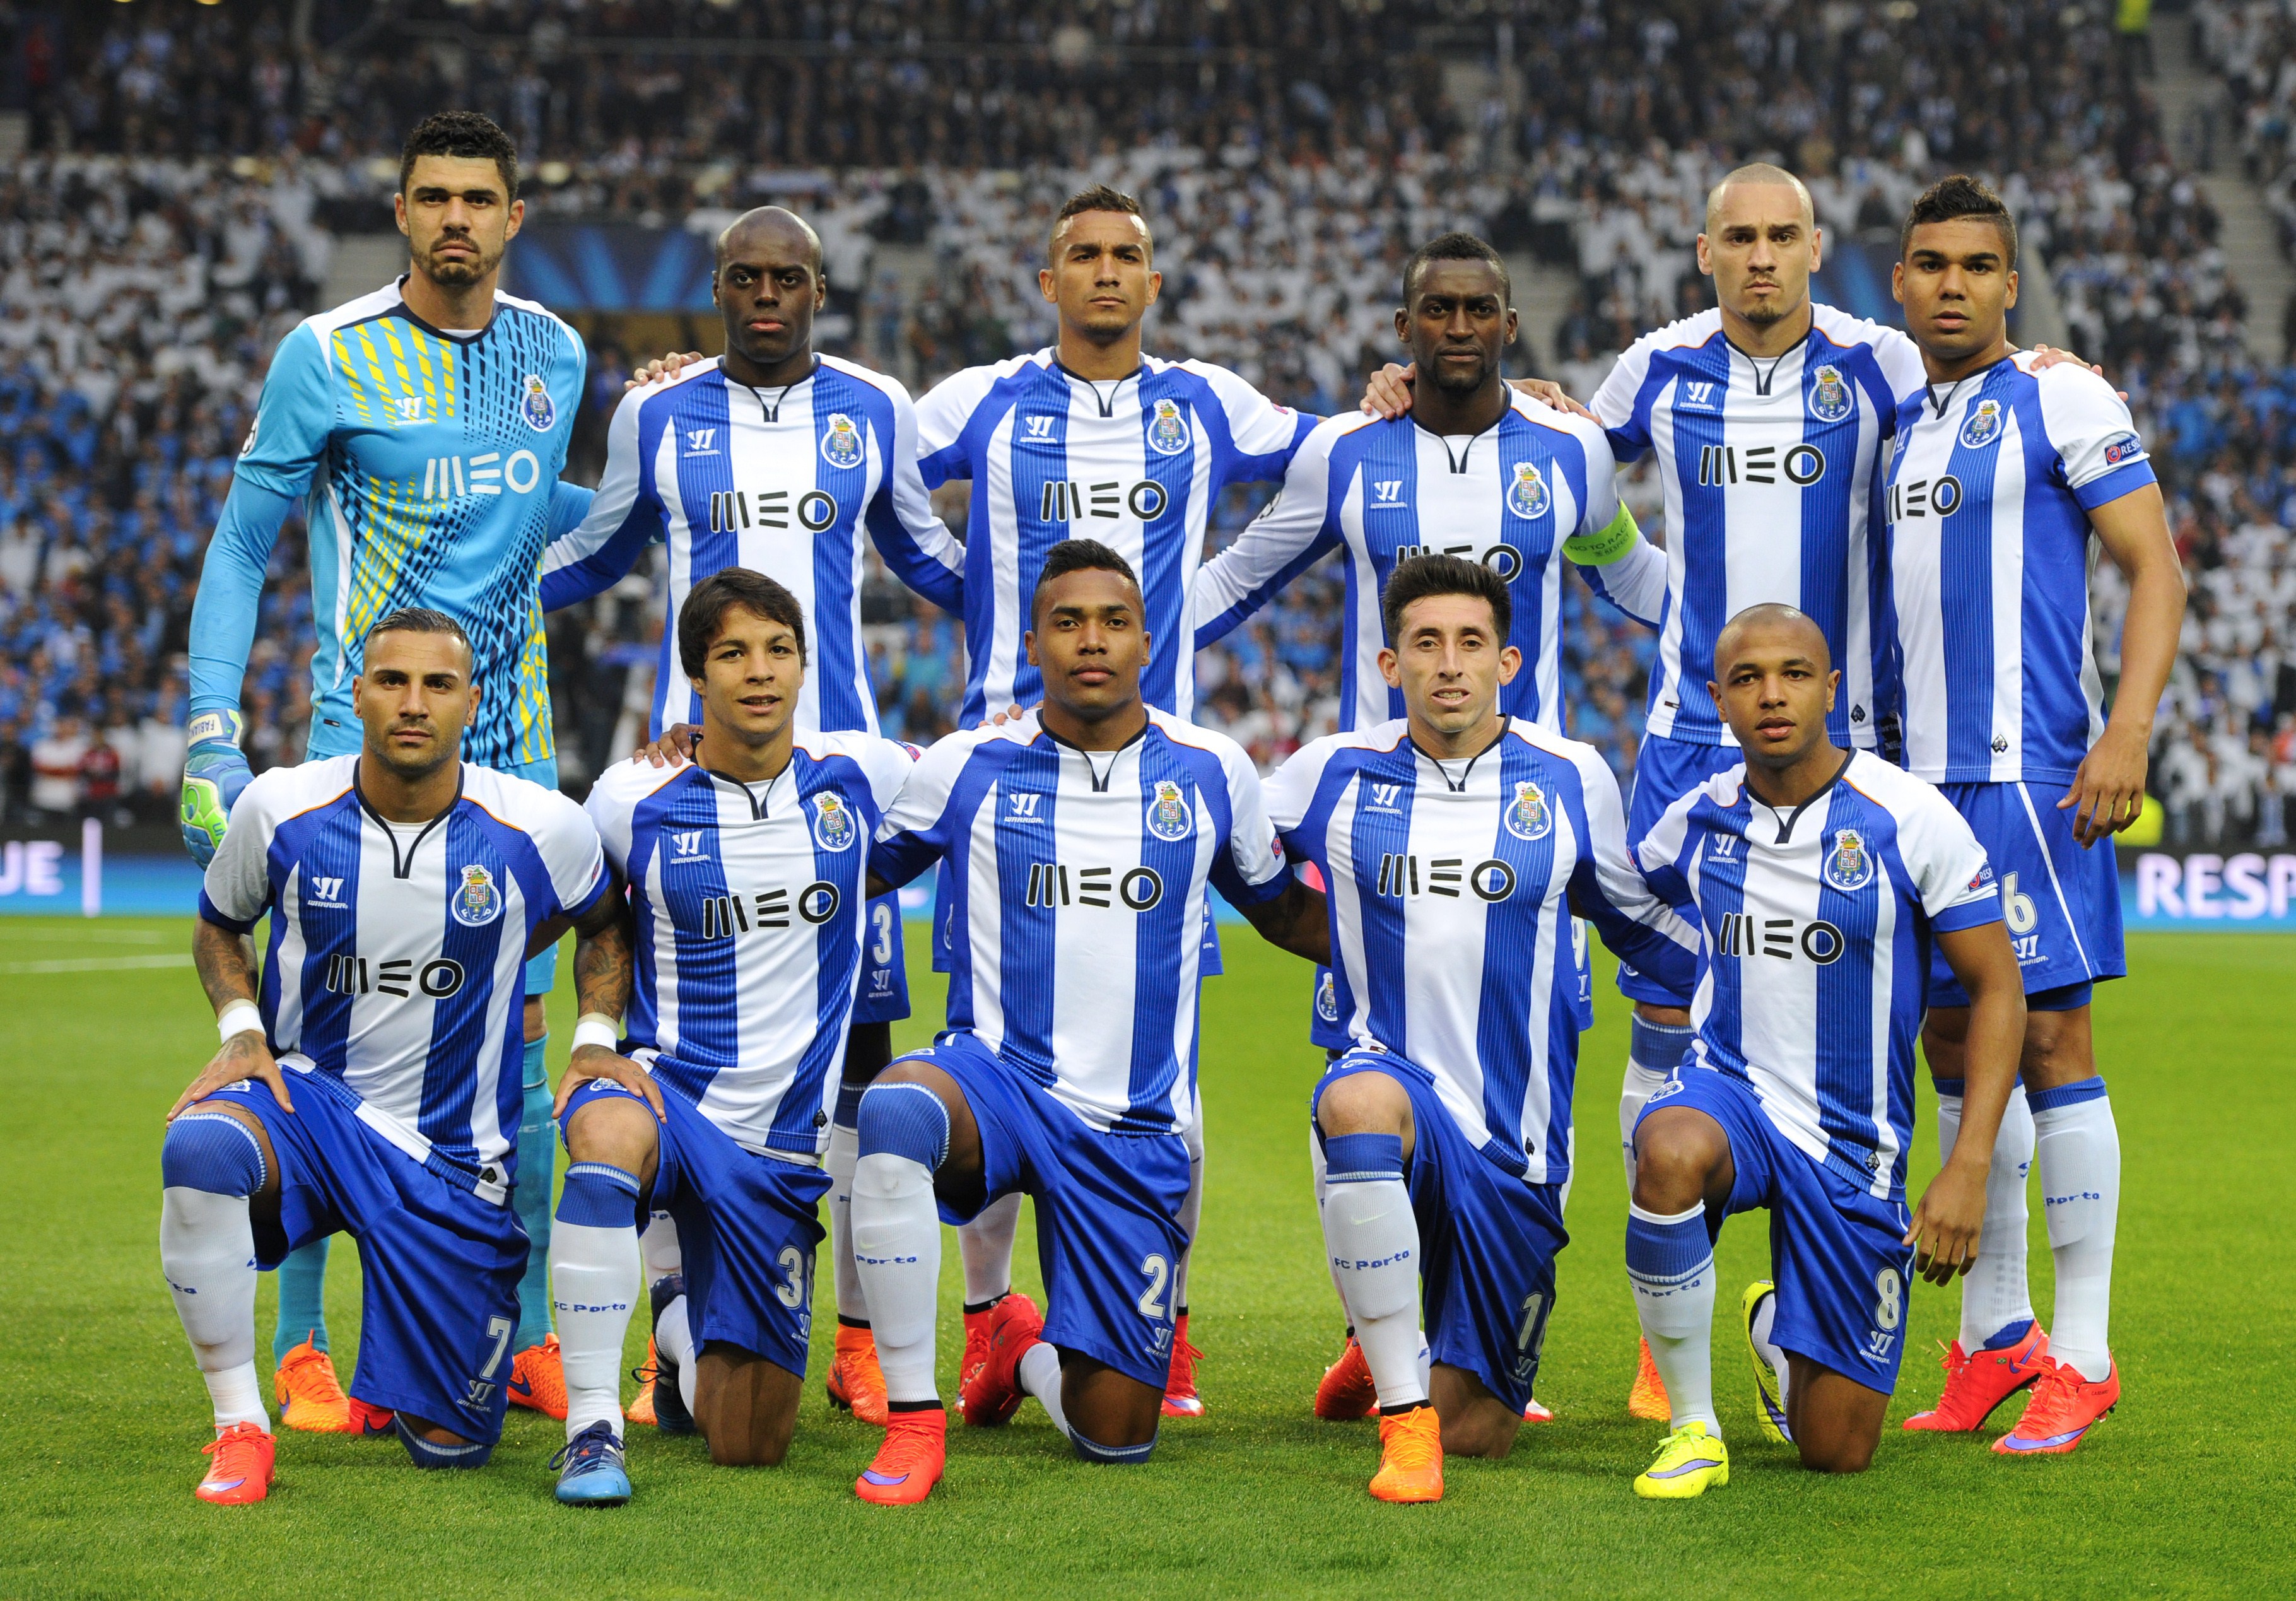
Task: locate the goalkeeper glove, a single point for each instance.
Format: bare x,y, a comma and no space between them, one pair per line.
214,774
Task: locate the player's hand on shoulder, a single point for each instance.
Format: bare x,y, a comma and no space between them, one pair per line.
596,1061
244,1055
1011,714
2045,357
662,368
215,775
1549,393
674,749
1387,394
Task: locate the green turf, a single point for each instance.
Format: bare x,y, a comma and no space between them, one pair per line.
101,1413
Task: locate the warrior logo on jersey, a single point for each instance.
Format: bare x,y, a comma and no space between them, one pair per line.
840,447
1529,818
537,407
1984,425
1829,397
832,825
477,902
1168,433
1849,865
1169,815
1327,1000
1527,496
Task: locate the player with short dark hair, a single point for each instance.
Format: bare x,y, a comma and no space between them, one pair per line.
2004,471
1082,838
1823,881
1457,844
369,1080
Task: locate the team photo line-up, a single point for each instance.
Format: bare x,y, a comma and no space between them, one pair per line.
1874,808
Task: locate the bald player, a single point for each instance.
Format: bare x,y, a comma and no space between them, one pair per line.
774,458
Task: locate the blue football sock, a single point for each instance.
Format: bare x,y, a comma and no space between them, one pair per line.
538,1154
302,1301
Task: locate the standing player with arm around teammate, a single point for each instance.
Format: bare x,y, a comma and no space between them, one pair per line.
405,889
746,872
1083,839
423,427
1457,833
2004,472
774,459
1823,880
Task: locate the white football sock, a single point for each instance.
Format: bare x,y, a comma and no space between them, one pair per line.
1191,1213
1995,1295
844,1151
1766,1316
1670,1264
594,1287
673,1337
1040,1376
1371,1237
207,1249
2080,1159
897,1249
658,1245
986,1245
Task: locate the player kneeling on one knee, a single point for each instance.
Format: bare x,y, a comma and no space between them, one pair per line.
1821,878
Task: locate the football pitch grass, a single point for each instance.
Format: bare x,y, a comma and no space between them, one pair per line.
103,1415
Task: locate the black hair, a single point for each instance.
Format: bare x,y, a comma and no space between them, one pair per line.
469,133
1415,578
1078,556
709,601
1100,197
416,619
1950,199
1454,247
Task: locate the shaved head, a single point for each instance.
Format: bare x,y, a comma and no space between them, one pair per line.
767,226
1771,622
1756,174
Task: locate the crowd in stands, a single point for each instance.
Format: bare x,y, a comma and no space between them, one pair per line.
1287,173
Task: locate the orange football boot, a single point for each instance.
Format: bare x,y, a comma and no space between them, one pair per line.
1346,1391
994,1394
1410,1458
2064,1408
310,1396
1180,1397
537,1379
1647,1399
241,1471
855,1382
1975,1384
976,1346
1535,1412
368,1420
910,1461
641,1410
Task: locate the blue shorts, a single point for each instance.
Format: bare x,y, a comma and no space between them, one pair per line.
1487,1240
439,1264
1108,1209
884,996
1666,769
747,1225
1836,1250
2062,903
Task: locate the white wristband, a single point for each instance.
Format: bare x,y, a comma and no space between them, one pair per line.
595,1028
240,1017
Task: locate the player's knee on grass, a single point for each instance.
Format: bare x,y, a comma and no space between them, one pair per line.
617,1129
1111,1419
434,1445
1681,1155
1836,1421
745,1406
1475,1422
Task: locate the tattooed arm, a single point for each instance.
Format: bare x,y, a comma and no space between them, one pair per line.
603,962
225,960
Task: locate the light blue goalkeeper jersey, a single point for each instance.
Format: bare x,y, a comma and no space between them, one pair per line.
427,464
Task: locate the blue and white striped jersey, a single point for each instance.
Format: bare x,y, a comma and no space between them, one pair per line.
751,906
781,481
1771,470
427,462
1135,463
1384,491
1988,552
396,952
1813,971
1078,882
1451,887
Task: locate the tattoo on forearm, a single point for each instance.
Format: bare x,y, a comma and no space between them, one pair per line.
603,964
225,963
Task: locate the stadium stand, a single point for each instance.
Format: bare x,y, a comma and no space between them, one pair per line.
1286,180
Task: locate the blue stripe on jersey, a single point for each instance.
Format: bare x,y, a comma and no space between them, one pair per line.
1390,455
706,402
1909,955
1844,1017
1965,565
1382,833
837,952
708,981
450,1074
323,844
1162,930
1705,531
1510,958
835,670
2053,611
644,1019
1721,893
1163,537
1026,936
1033,471
1533,539
1825,502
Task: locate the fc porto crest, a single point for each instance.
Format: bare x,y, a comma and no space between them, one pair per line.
1848,864
1527,496
535,404
1168,433
1327,998
1829,396
1170,815
840,444
477,902
1984,425
1528,817
832,825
